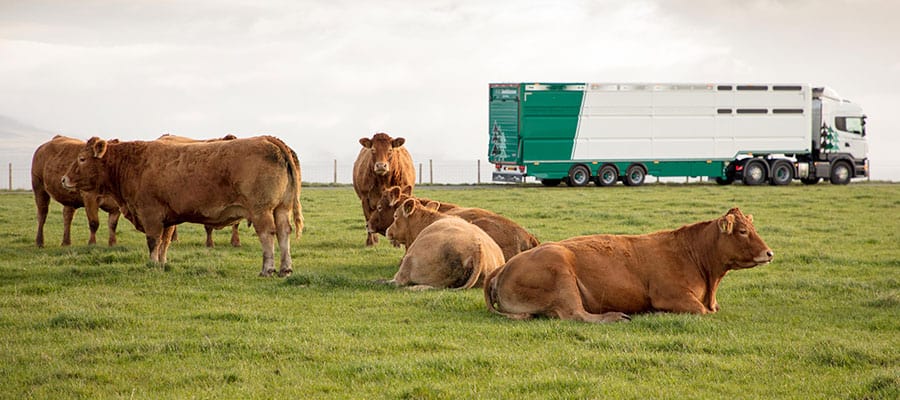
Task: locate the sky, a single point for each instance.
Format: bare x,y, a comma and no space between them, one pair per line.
322,74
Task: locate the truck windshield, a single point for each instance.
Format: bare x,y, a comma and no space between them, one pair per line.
850,124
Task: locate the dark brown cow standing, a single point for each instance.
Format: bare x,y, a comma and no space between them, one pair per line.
159,185
382,162
49,164
510,236
598,278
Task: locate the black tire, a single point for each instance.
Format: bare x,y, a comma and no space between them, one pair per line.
579,175
724,181
607,175
782,173
634,175
841,172
550,182
754,173
810,181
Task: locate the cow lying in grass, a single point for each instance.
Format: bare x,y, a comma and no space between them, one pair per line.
510,236
598,278
442,251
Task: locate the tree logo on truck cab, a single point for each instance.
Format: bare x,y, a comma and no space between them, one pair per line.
829,138
498,142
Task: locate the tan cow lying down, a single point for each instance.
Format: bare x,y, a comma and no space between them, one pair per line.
510,236
446,251
159,185
597,278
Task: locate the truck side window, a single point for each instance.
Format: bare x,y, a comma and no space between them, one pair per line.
849,124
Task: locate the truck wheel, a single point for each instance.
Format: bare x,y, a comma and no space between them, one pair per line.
840,173
809,181
550,182
754,173
634,175
782,173
579,175
607,176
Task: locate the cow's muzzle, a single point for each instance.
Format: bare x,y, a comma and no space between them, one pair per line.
67,183
381,168
766,257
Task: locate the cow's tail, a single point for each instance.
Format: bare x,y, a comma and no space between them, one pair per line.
293,167
477,267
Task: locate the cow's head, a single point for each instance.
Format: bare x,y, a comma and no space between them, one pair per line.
382,147
405,227
86,172
739,243
383,216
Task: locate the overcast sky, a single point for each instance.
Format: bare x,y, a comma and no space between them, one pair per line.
322,74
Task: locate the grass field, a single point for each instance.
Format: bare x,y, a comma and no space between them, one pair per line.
821,321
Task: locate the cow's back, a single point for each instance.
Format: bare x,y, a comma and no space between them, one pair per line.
510,236
450,242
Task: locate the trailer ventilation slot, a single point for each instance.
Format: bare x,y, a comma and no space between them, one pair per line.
752,87
724,111
723,87
792,88
752,111
787,111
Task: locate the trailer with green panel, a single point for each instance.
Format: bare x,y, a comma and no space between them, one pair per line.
579,133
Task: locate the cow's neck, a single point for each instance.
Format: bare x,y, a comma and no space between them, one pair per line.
699,240
123,162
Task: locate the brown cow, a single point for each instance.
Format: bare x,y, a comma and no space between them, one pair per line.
235,237
159,185
510,236
382,162
446,251
48,165
597,278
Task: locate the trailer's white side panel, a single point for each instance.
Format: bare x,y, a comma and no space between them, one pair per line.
691,121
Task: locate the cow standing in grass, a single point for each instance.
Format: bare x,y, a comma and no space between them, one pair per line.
598,278
159,185
48,165
382,162
445,251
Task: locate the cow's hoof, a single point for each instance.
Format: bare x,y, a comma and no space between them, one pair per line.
285,273
266,274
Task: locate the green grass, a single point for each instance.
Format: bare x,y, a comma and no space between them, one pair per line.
821,321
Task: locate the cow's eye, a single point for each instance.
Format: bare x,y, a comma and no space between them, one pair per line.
743,232
81,159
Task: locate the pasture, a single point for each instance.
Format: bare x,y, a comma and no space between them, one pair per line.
821,321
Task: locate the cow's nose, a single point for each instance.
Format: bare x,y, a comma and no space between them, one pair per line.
770,253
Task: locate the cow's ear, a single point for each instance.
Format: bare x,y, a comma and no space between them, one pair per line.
749,218
366,142
726,224
433,206
397,142
98,146
407,190
408,207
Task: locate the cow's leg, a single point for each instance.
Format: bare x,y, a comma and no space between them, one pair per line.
569,304
68,214
265,230
165,241
92,211
209,235
154,232
235,238
283,231
403,275
371,238
678,302
112,223
42,201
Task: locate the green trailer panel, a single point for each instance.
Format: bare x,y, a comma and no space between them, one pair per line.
503,145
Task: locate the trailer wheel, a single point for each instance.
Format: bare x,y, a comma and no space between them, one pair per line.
635,175
782,173
607,175
840,173
754,173
579,175
724,181
550,182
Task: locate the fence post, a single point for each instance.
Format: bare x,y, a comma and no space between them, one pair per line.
10,177
478,180
431,171
420,173
335,171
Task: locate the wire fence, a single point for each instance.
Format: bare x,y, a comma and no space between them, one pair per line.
437,172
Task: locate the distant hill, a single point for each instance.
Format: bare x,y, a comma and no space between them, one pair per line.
15,134
18,141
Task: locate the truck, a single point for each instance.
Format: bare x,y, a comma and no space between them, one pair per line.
604,133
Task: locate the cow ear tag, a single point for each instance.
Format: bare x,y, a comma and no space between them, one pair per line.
726,224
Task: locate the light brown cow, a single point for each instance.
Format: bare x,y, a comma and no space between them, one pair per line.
510,236
382,162
235,236
48,165
159,185
597,278
446,251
